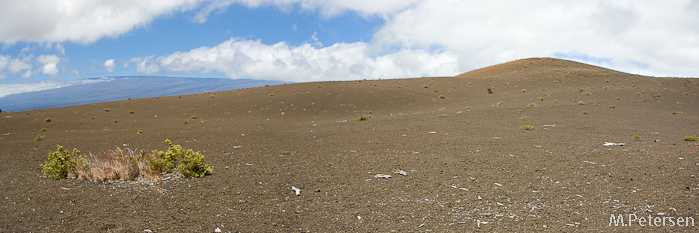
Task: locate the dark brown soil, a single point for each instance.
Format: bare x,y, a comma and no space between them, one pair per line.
475,171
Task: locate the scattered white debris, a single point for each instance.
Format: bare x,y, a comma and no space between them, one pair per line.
549,125
661,214
236,147
578,195
147,231
421,225
432,132
656,140
496,137
464,189
498,184
500,204
298,191
8,117
167,178
242,134
512,155
65,188
401,172
383,176
673,209
589,162
537,146
479,198
404,135
341,121
612,144
218,230
359,218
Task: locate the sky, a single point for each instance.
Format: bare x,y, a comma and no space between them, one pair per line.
53,43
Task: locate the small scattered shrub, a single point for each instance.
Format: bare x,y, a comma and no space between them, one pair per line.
131,112
426,86
612,106
107,109
39,138
636,137
441,115
185,122
584,112
490,91
467,107
48,119
527,127
271,94
523,118
675,113
460,112
362,118
139,132
690,139
203,122
44,129
194,117
442,97
617,98
531,105
524,90
308,92
581,103
499,103
62,164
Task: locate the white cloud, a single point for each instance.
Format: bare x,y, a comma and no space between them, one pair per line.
17,65
9,89
481,33
109,65
342,61
80,21
145,65
49,64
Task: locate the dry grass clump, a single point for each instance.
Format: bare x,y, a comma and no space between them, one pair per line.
125,164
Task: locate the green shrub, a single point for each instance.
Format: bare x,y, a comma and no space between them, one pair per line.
460,112
194,117
441,115
531,105
690,139
61,164
362,118
527,127
44,129
39,138
442,97
131,112
48,119
107,109
490,91
584,112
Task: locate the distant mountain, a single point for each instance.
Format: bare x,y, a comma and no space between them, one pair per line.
95,90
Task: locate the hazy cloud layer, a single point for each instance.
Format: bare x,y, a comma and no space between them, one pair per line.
16,88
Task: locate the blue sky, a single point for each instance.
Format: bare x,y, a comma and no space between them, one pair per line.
47,44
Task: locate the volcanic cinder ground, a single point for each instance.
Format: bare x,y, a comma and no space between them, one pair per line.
475,171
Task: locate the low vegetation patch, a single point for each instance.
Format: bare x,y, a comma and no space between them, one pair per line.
125,165
690,139
363,118
48,119
39,138
527,127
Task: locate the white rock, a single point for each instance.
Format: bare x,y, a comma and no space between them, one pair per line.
383,176
401,172
298,191
217,230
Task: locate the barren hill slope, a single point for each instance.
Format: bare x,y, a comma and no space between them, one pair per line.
469,165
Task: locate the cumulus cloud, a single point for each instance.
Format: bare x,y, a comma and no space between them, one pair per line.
342,61
646,37
109,65
49,63
80,21
145,65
